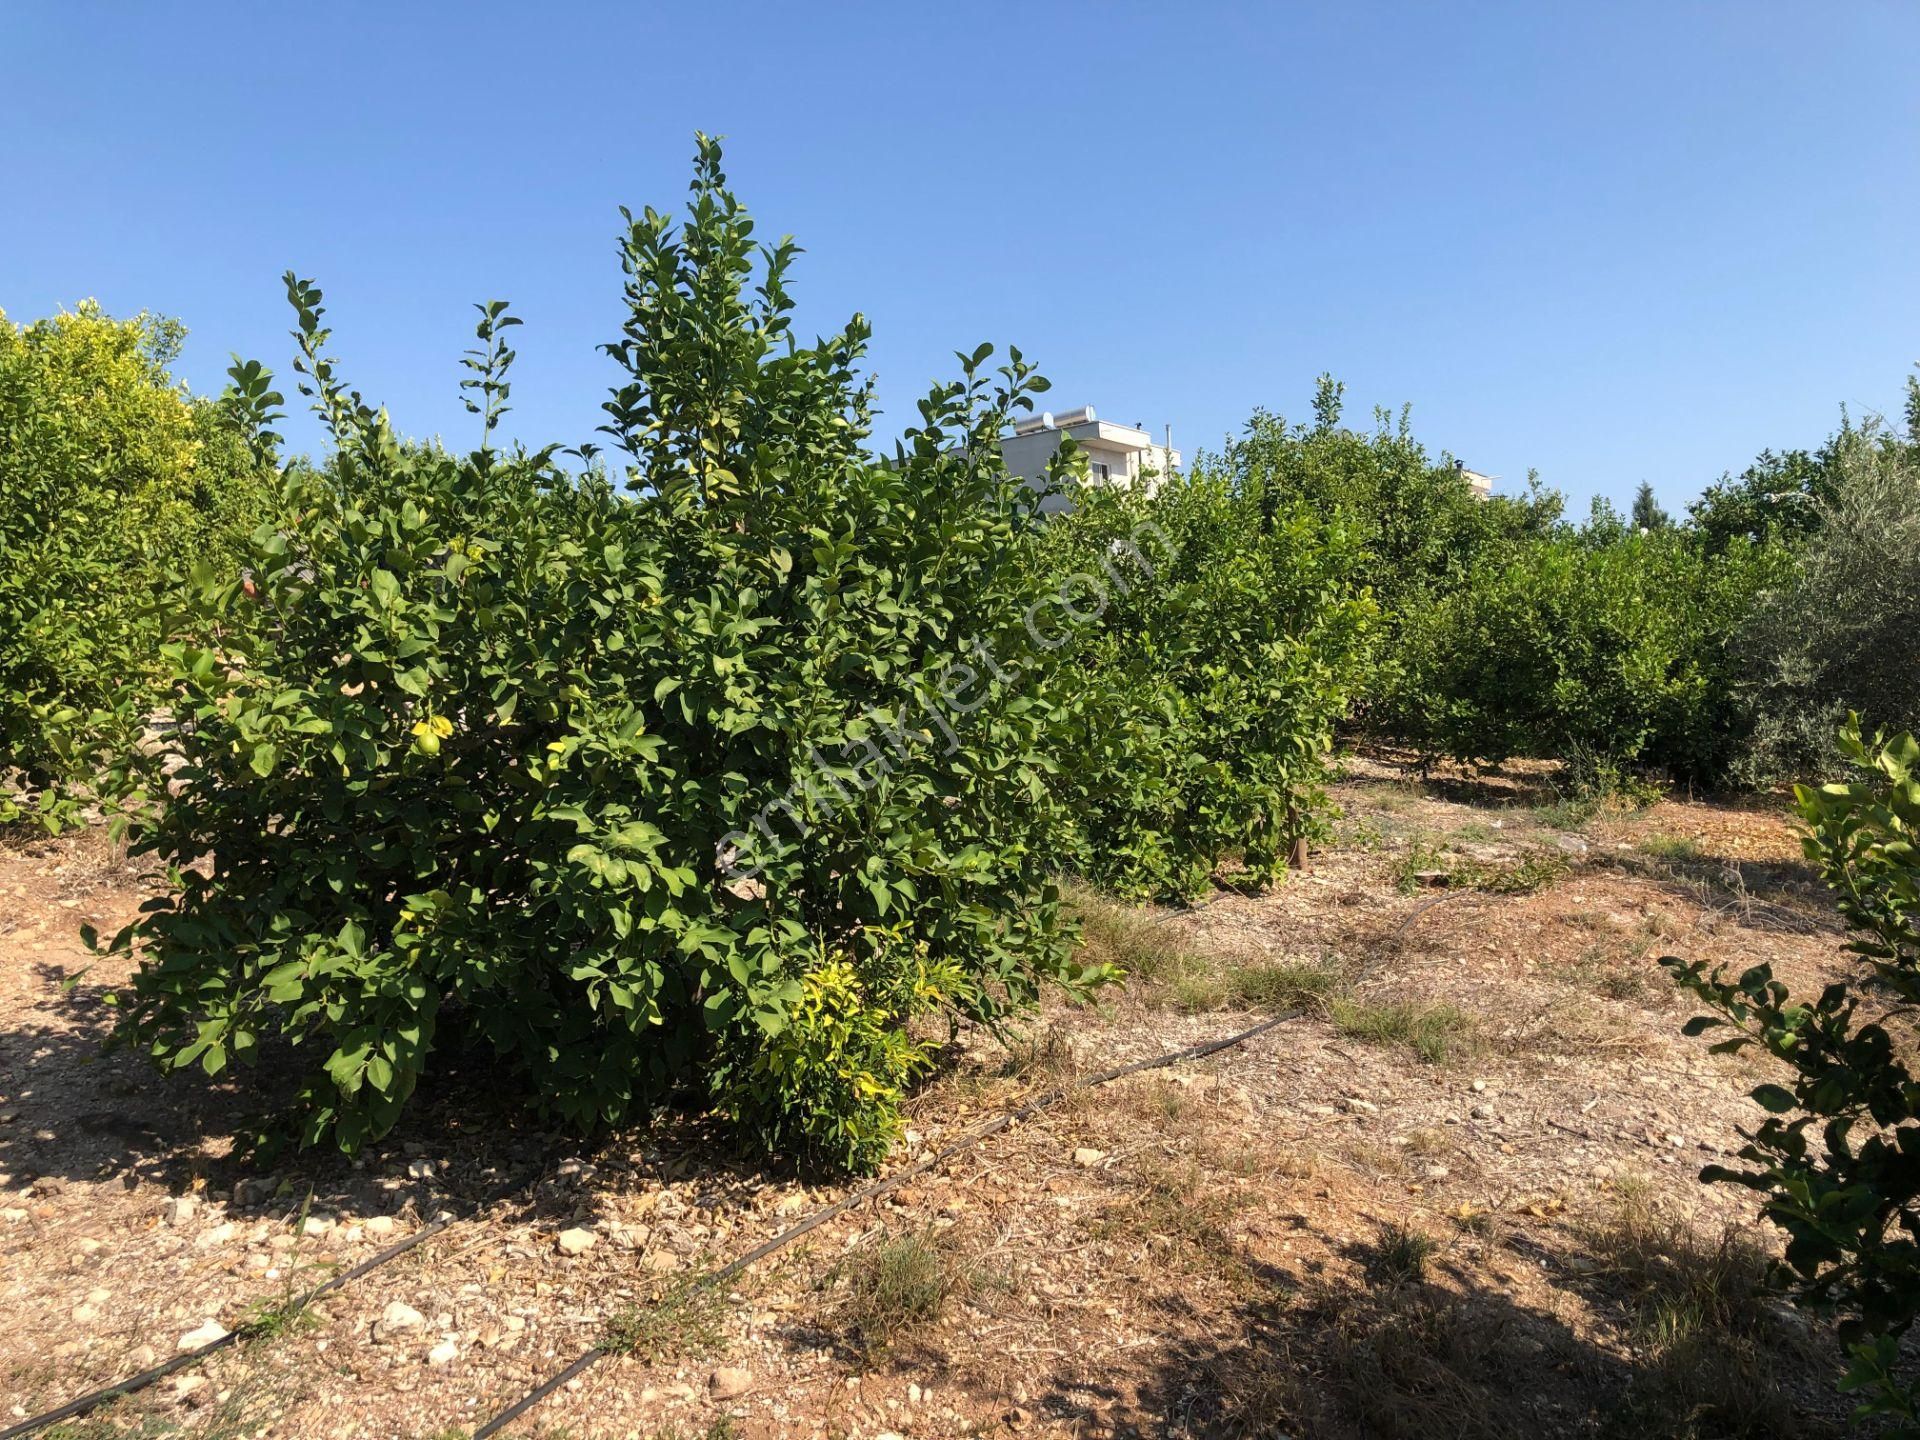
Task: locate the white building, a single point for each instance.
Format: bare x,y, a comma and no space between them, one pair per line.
1116,454
1481,485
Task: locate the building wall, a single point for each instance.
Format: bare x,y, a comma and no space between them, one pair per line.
1115,446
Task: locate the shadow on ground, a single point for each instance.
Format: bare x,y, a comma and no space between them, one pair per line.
79,1110
1434,1351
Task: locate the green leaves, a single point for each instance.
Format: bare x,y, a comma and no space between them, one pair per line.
114,484
642,782
1835,1157
1216,640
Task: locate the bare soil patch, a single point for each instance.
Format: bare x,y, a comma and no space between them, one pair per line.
1456,1197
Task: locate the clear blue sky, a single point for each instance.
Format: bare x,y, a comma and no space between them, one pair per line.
1614,242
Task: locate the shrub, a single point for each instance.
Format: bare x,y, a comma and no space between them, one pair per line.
1215,642
1777,498
1835,1158
1417,524
1843,632
828,1080
1415,517
1605,650
711,775
112,479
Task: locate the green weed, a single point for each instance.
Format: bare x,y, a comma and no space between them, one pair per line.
1435,1033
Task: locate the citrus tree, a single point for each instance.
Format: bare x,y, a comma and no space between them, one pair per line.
723,764
112,480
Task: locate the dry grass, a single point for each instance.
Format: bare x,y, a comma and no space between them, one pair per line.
1273,986
1614,976
1707,1348
1435,1033
1425,864
1162,973
240,1411
1678,849
1402,1254
1044,1055
893,1289
681,1322
1376,1161
1139,945
1184,1214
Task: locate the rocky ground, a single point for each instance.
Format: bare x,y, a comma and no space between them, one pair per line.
1456,1196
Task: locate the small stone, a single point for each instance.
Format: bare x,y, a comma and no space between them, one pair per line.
187,1387
381,1226
180,1209
143,1357
207,1334
400,1316
1086,1157
680,1241
445,1353
729,1382
91,1246
575,1241
217,1235
48,1185
315,1226
1478,1086
13,1215
1481,1112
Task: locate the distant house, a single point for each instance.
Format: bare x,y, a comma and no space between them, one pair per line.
1481,485
1116,454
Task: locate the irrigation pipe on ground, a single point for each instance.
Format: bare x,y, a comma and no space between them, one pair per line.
96,1398
973,1137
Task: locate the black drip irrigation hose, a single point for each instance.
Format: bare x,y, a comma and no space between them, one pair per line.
96,1398
973,1137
